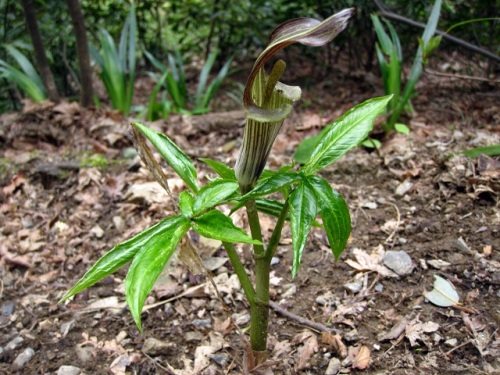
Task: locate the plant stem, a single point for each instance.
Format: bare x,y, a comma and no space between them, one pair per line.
245,281
259,309
275,237
253,220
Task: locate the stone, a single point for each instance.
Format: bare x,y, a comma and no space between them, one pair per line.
403,188
221,359
193,336
14,344
119,223
354,287
333,367
97,231
398,261
68,370
202,323
156,347
23,358
7,309
241,319
84,354
451,342
274,261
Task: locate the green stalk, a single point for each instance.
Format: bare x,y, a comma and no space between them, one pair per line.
259,306
275,237
245,282
259,310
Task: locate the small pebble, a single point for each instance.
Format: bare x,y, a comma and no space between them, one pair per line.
352,335
333,367
69,370
24,358
438,264
403,188
354,287
14,344
451,342
379,288
193,336
129,153
241,319
398,261
220,359
370,205
437,337
85,354
97,231
156,347
7,309
274,261
119,223
204,323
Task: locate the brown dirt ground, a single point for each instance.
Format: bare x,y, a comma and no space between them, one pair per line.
417,194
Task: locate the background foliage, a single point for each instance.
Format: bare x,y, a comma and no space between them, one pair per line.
238,28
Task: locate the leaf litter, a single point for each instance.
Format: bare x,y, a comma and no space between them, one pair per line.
47,241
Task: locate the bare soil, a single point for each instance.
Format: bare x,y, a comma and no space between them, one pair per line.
72,188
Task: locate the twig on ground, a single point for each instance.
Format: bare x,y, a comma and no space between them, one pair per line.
316,326
457,347
461,76
387,13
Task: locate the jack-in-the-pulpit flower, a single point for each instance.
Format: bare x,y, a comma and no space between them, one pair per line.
267,101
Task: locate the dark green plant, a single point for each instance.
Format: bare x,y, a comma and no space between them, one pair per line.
391,58
118,64
175,82
492,150
305,195
25,77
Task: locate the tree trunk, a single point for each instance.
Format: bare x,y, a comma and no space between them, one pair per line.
41,58
82,49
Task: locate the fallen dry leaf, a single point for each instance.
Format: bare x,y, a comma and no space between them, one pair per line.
396,330
335,341
362,359
16,182
370,262
223,326
415,331
306,351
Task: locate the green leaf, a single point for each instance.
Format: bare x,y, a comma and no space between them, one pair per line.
493,150
371,143
172,154
152,105
222,169
186,202
203,78
303,211
213,194
277,182
402,128
416,69
148,264
345,133
305,149
26,66
274,208
334,213
269,207
214,224
384,41
119,256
